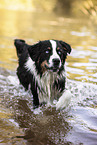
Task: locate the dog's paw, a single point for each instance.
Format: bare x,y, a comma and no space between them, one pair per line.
64,100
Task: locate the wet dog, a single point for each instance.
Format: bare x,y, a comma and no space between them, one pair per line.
42,70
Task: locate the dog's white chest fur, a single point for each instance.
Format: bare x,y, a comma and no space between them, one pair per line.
48,92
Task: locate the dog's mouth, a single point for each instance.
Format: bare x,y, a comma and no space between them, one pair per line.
53,68
45,66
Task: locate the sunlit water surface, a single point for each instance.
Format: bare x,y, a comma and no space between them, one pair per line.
76,124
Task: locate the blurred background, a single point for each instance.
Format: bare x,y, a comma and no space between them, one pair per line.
37,5
75,22
88,7
62,6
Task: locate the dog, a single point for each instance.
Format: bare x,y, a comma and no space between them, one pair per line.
42,70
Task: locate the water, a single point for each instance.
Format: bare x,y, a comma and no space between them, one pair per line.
76,124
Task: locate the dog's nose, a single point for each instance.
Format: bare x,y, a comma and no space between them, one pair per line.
56,62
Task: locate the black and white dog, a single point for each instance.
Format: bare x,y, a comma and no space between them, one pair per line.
42,70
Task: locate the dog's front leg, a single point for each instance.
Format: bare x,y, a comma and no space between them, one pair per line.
64,100
35,94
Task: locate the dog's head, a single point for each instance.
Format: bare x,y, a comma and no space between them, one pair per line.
49,54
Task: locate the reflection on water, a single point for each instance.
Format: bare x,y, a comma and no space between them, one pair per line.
19,123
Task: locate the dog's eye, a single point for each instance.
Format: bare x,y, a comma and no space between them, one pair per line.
59,52
47,52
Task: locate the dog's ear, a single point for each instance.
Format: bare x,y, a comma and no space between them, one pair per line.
66,46
19,44
34,51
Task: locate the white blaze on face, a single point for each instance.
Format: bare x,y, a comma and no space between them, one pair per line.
54,53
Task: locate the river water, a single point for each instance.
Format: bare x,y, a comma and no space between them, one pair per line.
76,124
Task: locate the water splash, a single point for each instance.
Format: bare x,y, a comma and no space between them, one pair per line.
83,93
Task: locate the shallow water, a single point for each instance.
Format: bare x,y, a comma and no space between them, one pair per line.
76,124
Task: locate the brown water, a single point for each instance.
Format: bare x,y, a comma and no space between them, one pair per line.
19,123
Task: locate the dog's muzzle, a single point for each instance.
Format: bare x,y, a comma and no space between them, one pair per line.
56,62
55,65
